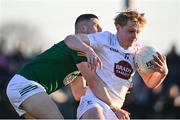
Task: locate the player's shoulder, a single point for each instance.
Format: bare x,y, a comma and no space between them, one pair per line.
62,45
101,34
110,38
107,33
63,49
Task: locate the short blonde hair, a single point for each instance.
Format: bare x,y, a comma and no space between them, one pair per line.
130,14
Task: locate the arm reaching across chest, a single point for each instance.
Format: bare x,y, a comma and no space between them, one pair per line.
81,43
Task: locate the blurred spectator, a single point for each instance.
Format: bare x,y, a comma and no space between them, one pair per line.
16,59
6,111
173,61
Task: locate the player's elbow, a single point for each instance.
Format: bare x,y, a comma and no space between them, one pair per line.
152,86
68,40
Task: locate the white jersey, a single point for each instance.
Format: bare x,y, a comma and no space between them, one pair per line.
117,69
118,64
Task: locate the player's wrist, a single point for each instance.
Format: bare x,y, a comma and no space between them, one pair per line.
114,107
164,72
88,49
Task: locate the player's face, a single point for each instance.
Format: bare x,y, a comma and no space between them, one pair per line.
128,34
94,26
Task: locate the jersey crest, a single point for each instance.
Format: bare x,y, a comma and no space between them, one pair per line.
123,69
71,77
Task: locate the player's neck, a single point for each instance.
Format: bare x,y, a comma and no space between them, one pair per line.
122,44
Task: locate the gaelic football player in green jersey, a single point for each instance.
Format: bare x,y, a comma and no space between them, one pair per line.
28,90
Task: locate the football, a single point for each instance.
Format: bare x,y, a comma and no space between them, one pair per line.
144,59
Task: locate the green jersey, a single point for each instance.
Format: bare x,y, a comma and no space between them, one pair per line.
52,66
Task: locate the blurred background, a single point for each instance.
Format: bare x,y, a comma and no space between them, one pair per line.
29,27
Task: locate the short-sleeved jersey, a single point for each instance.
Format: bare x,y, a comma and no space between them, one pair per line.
52,66
118,64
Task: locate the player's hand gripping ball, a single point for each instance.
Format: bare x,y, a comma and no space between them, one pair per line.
144,59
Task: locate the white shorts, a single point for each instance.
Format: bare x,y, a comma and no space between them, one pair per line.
19,89
90,101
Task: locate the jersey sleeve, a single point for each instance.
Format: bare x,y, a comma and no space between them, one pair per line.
97,40
79,57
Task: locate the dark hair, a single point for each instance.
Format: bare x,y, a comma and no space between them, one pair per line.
84,17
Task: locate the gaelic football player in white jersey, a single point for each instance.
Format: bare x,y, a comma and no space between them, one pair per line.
116,52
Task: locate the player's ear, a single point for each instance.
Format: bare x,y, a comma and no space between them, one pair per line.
83,29
118,27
